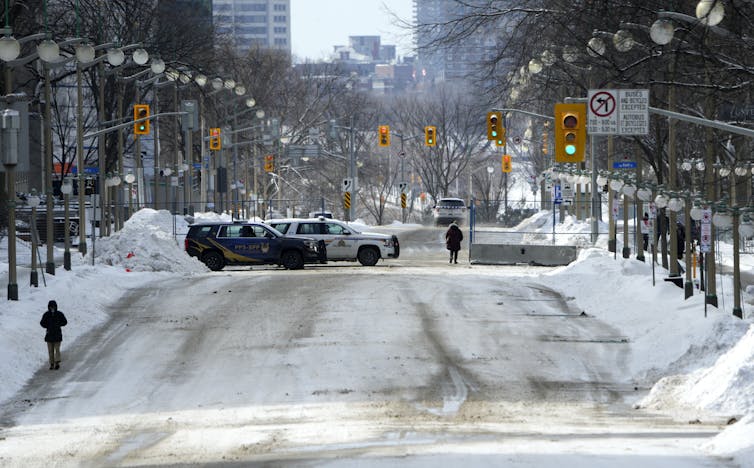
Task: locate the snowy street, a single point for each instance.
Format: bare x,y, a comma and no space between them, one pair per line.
446,363
413,362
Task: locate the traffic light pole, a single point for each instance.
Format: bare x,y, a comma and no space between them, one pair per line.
403,179
352,173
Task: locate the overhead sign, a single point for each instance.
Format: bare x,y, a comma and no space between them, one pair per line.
618,112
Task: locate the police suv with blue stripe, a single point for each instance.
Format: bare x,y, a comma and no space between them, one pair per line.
344,242
218,244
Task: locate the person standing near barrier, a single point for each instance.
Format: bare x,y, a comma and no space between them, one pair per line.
453,238
53,320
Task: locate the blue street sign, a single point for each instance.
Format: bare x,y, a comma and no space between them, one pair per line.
624,165
87,170
197,165
557,194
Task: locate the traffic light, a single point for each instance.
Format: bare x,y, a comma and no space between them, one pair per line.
495,130
215,141
430,135
269,163
570,132
507,163
141,111
384,136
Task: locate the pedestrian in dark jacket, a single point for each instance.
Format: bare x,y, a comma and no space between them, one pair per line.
53,320
453,238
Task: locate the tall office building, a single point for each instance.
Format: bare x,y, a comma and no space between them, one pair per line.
254,23
439,62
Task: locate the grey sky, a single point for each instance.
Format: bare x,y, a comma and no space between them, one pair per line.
317,25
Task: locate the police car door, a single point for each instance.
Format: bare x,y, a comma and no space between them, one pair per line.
340,240
245,245
269,244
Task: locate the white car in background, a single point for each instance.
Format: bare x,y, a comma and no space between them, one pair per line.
448,210
344,242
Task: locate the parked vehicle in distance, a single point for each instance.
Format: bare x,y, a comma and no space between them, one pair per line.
317,214
218,244
448,210
343,241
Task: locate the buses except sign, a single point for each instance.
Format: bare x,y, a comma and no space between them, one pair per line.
618,112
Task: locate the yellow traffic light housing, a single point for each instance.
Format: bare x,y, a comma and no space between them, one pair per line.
215,141
141,111
570,132
269,163
430,135
507,163
495,129
384,135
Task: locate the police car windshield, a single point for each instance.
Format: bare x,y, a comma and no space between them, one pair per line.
274,231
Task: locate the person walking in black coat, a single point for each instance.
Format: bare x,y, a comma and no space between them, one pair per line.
453,238
53,320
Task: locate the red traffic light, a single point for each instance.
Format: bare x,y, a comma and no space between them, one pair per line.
384,135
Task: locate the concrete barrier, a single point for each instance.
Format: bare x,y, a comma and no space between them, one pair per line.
531,254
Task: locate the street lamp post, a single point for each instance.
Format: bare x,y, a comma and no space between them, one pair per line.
85,57
130,179
67,189
48,52
34,203
10,124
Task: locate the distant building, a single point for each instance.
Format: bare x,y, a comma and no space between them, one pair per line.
456,62
254,23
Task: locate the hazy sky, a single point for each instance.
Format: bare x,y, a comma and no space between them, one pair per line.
318,25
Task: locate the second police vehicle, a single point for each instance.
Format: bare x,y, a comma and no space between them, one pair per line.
344,242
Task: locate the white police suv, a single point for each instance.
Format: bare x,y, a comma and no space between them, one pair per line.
343,241
448,210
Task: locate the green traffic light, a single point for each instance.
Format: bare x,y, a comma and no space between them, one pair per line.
570,150
494,133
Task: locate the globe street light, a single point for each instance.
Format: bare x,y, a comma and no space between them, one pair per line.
10,49
157,65
710,12
48,51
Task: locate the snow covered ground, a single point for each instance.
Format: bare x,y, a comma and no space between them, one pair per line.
700,362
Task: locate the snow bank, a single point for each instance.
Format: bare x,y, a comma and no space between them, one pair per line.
148,242
726,387
674,333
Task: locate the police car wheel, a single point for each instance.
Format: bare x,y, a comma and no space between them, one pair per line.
214,261
368,256
292,260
